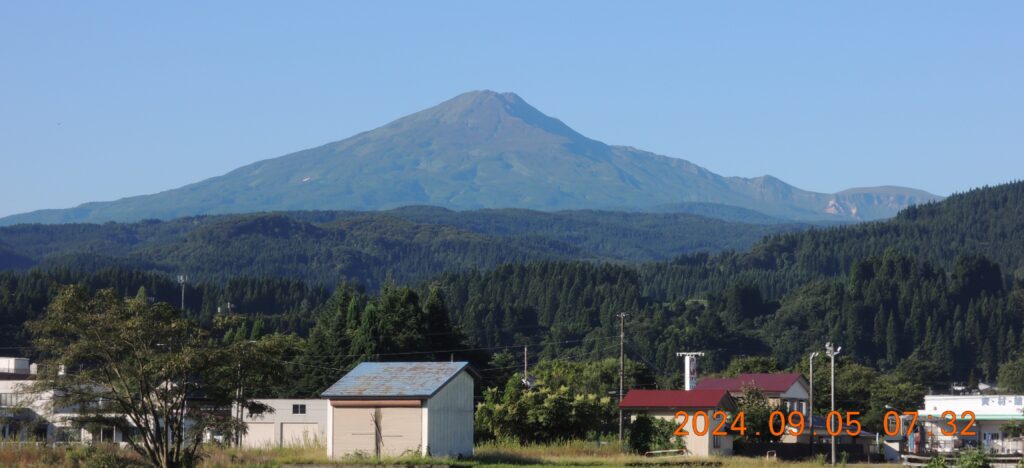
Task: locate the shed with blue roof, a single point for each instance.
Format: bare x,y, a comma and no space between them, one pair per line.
402,408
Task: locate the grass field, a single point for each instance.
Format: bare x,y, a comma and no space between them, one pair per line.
577,453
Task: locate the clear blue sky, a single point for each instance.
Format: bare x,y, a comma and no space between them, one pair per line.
100,100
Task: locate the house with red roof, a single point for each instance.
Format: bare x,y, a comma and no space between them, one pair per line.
665,404
788,390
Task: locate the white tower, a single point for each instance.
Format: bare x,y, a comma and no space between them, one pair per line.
689,368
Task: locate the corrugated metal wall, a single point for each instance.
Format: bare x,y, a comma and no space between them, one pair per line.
450,418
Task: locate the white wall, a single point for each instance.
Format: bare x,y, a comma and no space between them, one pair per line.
14,365
283,422
984,406
992,412
796,392
449,418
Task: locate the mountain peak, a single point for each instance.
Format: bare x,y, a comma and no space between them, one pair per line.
480,149
492,112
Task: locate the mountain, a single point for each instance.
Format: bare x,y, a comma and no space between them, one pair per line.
481,149
940,285
406,244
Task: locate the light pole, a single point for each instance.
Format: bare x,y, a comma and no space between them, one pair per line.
831,351
810,410
182,280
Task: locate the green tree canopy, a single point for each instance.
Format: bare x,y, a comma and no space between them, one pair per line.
145,369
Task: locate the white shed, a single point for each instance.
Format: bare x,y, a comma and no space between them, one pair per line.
401,408
292,422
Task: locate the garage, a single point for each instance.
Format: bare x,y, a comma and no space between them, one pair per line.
401,431
353,430
260,435
287,422
402,408
300,434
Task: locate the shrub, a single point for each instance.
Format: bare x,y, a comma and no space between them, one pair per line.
647,433
974,458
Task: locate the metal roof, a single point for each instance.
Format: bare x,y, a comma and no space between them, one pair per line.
637,399
402,380
769,383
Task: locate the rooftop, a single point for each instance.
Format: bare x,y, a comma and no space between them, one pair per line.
675,399
770,383
401,380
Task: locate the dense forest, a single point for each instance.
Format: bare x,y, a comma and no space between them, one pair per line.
936,294
407,244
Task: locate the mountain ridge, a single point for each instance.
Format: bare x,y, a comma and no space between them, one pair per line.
404,244
478,150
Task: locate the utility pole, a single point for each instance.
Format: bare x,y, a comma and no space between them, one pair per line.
831,352
622,363
526,365
526,369
239,393
182,279
689,368
810,410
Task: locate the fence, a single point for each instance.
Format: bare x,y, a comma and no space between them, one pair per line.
853,452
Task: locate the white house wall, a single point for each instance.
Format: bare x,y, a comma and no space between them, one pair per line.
279,428
450,418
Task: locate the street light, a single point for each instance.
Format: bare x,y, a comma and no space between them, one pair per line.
831,352
182,280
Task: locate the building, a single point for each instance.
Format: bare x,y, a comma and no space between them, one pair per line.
991,413
664,404
20,409
397,408
788,390
290,422
27,414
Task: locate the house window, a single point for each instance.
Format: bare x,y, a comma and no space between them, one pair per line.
298,409
106,434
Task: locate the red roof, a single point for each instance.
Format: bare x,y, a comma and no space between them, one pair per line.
673,399
770,383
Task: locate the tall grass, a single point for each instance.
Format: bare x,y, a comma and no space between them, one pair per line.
495,454
308,453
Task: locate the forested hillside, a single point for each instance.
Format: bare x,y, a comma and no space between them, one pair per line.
987,221
940,284
407,244
887,309
937,291
279,304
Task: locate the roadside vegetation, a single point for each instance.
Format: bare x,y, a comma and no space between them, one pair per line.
492,455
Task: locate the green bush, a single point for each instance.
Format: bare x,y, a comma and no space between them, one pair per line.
647,433
974,458
936,462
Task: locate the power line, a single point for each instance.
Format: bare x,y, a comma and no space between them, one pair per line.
485,348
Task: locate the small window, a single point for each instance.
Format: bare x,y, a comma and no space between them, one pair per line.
106,434
298,409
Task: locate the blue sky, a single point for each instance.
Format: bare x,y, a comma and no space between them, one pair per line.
101,100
